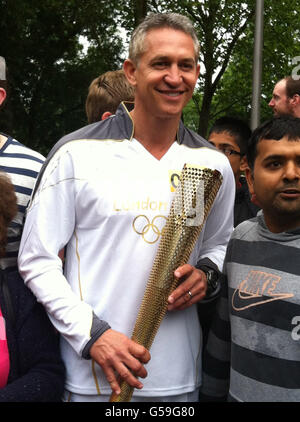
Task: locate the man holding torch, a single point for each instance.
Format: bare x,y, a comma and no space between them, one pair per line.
105,193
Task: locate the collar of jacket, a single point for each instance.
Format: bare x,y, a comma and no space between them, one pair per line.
123,112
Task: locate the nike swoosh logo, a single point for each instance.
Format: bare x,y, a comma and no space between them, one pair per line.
241,301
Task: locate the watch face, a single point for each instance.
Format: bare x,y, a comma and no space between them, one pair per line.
212,278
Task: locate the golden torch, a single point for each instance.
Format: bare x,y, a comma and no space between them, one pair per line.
192,202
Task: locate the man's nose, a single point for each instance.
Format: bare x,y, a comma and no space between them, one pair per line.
271,103
174,76
292,171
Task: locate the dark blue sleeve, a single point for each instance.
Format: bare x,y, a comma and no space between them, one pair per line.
37,372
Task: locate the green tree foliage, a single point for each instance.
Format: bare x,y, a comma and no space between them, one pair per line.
49,74
219,24
281,45
226,33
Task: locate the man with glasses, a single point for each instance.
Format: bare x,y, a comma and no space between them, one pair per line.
286,97
231,135
252,353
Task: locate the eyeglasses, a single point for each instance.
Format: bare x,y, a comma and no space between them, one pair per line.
228,152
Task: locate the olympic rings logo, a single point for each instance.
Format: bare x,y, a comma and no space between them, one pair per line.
149,231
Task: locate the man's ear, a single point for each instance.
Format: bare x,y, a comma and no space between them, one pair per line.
198,67
105,115
2,95
250,180
129,68
243,163
296,99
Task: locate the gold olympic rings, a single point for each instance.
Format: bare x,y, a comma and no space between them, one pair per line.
149,231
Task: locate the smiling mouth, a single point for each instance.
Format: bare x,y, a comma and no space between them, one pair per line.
173,94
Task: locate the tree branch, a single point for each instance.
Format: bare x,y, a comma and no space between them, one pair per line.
229,50
227,108
200,19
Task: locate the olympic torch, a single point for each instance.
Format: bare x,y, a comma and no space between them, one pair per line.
193,199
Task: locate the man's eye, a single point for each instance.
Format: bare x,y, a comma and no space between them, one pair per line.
187,66
160,64
274,164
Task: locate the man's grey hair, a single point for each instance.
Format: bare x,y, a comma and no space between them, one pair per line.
2,69
156,21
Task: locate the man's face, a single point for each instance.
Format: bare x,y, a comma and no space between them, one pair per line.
280,103
226,143
275,180
166,73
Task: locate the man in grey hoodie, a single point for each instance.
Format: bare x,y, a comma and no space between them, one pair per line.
253,353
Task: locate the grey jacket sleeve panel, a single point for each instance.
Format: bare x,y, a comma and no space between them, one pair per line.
98,328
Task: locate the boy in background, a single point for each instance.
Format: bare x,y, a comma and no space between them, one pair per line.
231,135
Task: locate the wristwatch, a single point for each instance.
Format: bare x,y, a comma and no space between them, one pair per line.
212,277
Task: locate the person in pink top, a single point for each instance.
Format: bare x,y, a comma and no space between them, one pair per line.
8,210
4,355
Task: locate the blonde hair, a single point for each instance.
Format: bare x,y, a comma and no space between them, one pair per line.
106,93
